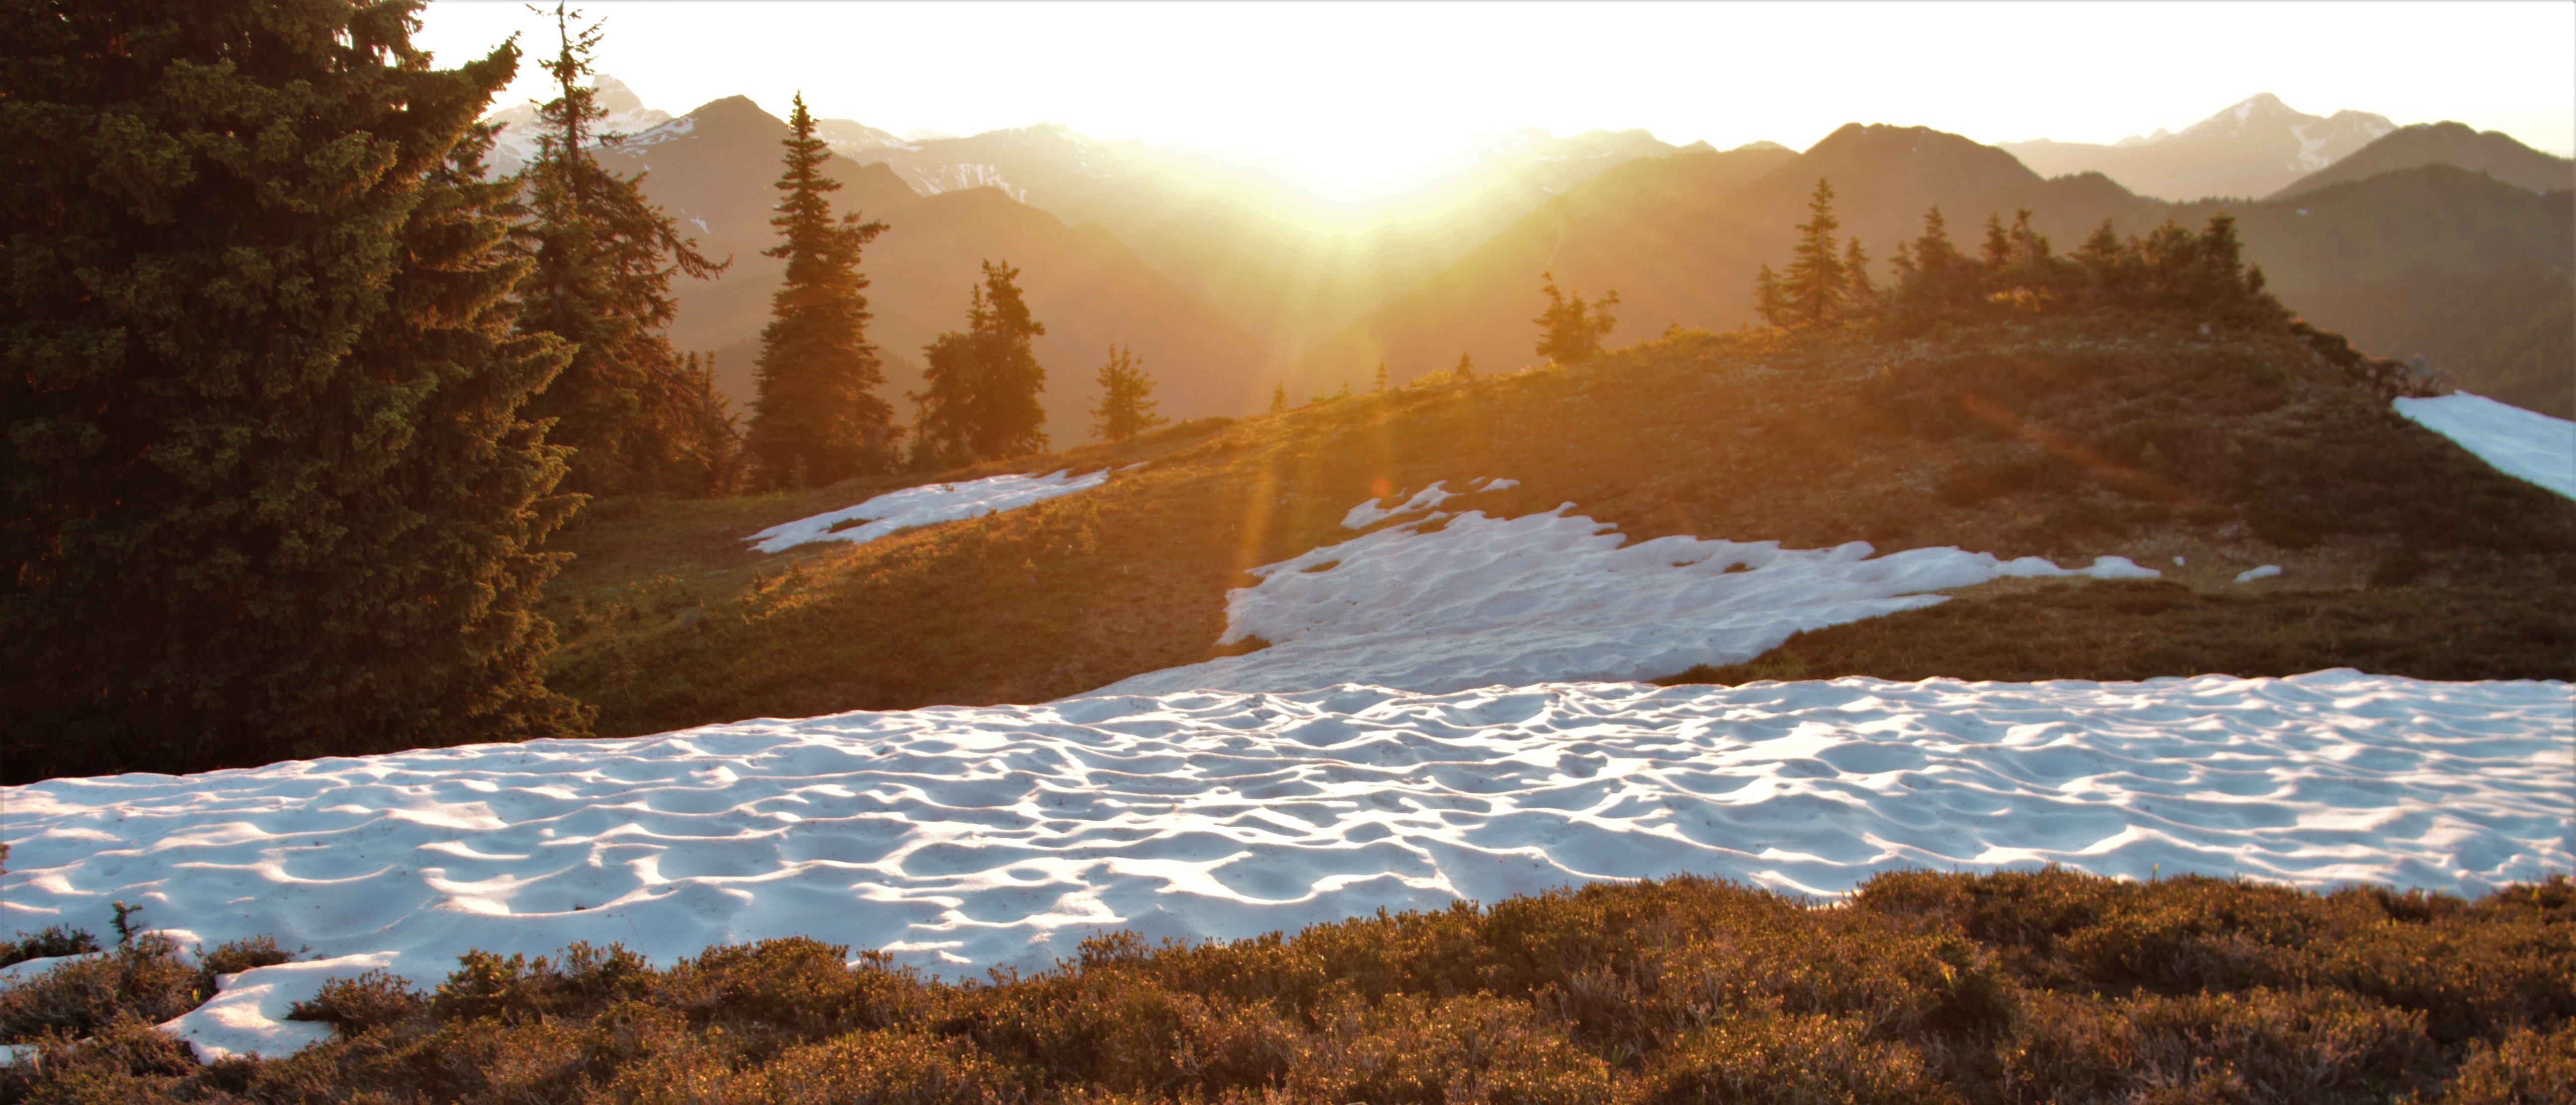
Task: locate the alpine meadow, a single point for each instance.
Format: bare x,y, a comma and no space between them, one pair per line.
1405,554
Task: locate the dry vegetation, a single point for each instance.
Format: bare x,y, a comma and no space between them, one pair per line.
2070,438
2016,987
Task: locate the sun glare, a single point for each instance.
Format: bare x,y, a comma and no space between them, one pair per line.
1362,100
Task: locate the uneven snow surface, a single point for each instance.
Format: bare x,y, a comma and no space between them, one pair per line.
923,505
968,837
1549,597
2520,443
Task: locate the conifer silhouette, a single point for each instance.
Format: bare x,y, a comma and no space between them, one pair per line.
982,384
1570,330
817,418
1814,289
604,258
1126,398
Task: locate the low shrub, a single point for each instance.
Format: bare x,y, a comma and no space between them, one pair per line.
1922,987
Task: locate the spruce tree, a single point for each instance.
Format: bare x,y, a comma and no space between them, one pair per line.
1466,369
1569,330
1126,398
817,418
1773,304
1381,376
604,259
268,489
1933,278
1815,288
1862,292
981,402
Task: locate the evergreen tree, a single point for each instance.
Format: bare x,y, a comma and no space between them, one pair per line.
1773,304
983,384
268,489
1126,398
1862,291
816,418
1279,399
1381,376
1815,289
1933,277
1569,330
1466,369
604,258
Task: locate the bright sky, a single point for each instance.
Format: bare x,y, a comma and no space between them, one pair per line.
1359,98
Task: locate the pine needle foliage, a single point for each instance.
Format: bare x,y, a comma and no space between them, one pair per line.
269,491
817,419
604,257
981,402
1570,330
1126,398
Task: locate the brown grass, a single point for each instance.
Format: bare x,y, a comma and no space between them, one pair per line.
2140,630
2071,438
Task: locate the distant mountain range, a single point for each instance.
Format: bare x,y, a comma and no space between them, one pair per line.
2254,148
714,168
1228,280
1680,238
2491,152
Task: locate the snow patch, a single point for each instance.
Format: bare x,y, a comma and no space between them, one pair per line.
1369,513
1554,596
2249,575
2524,444
967,837
247,1015
922,506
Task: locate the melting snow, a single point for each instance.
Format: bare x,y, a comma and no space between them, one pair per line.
923,505
2524,444
965,837
1551,596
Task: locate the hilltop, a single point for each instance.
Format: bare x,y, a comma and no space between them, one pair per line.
2068,438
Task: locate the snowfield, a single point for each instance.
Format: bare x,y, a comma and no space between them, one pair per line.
968,837
2525,444
923,505
1547,597
1446,756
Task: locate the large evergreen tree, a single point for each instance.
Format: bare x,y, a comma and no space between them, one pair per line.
1816,288
817,419
982,385
1126,398
267,490
636,419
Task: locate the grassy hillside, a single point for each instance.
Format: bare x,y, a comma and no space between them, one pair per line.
2070,438
1927,988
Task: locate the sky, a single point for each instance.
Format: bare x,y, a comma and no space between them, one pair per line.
1356,99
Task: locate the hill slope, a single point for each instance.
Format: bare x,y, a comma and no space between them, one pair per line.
2068,440
2491,152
